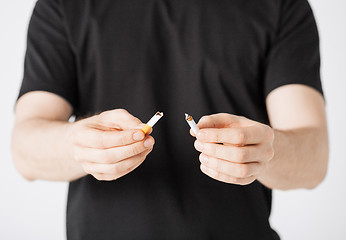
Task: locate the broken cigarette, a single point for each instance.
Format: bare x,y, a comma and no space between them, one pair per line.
152,122
191,123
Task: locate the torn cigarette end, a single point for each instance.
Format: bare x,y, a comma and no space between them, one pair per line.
152,122
191,123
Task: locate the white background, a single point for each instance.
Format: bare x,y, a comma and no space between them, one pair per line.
36,210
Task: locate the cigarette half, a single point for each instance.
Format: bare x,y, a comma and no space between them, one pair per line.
191,123
152,122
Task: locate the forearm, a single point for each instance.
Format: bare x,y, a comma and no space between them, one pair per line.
42,150
300,160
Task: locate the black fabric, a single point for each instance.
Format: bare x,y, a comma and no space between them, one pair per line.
175,56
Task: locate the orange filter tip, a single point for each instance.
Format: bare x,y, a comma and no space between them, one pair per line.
146,128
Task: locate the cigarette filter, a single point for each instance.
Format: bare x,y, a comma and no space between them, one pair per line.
191,123
152,122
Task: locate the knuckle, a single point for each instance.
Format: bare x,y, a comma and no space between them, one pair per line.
130,166
230,179
112,113
204,118
217,165
108,178
123,139
243,183
220,115
201,168
86,168
121,111
143,155
212,149
99,141
98,177
239,181
248,181
107,157
213,173
115,169
217,137
240,137
241,155
243,171
103,114
216,174
134,150
104,177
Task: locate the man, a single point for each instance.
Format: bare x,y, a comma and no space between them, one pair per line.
249,69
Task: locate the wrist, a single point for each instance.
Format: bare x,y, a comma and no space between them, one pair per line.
71,128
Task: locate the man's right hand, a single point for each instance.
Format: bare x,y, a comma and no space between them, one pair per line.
110,145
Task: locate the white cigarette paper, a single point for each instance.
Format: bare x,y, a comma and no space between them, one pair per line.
152,122
191,123
155,119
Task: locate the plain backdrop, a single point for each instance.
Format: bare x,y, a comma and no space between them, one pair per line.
36,210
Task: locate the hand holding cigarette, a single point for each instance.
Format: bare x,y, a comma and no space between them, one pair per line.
233,149
111,144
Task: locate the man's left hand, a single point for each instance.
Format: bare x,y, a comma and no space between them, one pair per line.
233,149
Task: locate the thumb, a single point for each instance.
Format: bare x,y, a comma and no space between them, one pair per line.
220,120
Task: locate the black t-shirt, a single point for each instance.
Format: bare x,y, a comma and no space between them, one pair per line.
175,56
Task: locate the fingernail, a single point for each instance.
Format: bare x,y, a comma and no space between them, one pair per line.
201,135
203,158
199,146
138,136
148,143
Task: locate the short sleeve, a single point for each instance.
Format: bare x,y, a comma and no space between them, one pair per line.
294,56
49,59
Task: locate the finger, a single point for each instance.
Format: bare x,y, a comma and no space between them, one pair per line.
226,178
116,169
119,119
111,177
112,155
219,120
230,153
253,134
239,170
94,138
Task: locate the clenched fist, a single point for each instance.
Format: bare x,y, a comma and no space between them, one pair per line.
111,144
233,149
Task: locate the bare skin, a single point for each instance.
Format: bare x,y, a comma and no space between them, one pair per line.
46,146
292,153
